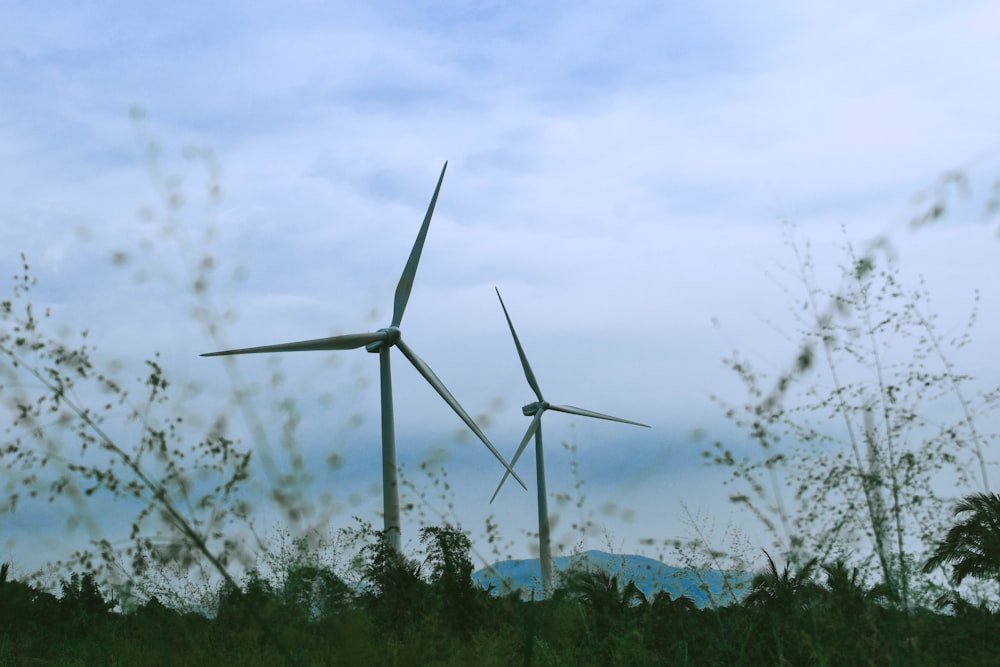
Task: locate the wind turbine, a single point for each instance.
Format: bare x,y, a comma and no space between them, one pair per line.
382,341
535,410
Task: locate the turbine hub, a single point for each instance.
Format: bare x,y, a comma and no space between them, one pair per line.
390,339
532,408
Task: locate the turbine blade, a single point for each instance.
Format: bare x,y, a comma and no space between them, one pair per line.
535,421
435,382
346,342
590,413
520,351
406,280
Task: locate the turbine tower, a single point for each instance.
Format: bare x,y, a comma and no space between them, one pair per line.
382,341
535,410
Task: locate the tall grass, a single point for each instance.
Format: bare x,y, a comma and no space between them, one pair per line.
865,442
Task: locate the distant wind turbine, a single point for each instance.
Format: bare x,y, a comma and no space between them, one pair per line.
535,410
381,341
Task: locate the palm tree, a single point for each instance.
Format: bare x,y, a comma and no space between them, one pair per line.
847,591
602,591
972,546
665,604
784,591
612,609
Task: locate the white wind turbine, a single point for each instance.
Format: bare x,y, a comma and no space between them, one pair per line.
382,341
535,410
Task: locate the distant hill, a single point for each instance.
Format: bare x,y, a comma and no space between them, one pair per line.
650,575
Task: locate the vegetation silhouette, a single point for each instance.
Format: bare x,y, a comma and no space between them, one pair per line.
972,546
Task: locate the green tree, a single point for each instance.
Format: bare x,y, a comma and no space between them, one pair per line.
671,623
785,593
972,546
610,605
781,610
664,604
847,592
82,594
852,616
447,549
450,576
23,607
396,593
314,591
82,605
601,591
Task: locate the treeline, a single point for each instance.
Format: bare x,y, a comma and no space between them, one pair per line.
421,613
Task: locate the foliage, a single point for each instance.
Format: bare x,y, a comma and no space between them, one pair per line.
315,592
785,593
595,620
846,591
82,595
863,447
454,594
49,386
608,605
448,555
972,546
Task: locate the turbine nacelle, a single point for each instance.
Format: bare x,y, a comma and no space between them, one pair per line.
530,409
391,337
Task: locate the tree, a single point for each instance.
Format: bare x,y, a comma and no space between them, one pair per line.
602,591
81,594
396,594
664,604
972,546
671,622
607,599
783,592
448,556
315,592
455,595
23,607
846,591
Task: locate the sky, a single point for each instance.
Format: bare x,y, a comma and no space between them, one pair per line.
625,174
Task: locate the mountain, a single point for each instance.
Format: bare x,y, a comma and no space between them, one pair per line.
650,575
